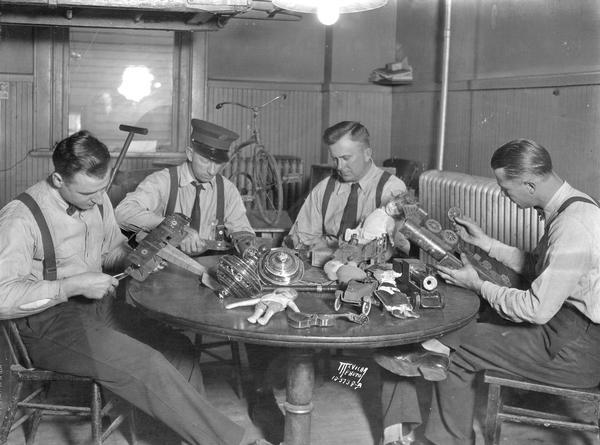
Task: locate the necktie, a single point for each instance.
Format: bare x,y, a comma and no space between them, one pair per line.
350,211
195,216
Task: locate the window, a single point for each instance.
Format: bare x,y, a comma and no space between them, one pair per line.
119,76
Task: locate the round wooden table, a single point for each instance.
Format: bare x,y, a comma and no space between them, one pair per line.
177,297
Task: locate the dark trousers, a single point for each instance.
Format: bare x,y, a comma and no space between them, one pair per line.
79,337
399,398
262,364
562,352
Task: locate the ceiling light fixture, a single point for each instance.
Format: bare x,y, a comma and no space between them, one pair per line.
328,11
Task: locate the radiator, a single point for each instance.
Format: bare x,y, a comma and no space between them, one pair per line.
291,170
481,199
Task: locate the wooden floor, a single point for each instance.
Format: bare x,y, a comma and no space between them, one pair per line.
341,416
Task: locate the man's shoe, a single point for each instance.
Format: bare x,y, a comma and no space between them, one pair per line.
414,362
266,415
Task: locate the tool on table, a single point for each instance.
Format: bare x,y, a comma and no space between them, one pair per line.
160,244
312,287
301,320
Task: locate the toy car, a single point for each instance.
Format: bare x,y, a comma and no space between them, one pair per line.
357,293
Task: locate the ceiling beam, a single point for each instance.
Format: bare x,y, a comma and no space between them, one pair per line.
87,18
214,6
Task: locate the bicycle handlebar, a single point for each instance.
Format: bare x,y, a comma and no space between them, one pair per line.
254,108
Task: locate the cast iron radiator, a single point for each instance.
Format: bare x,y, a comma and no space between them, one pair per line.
291,169
481,199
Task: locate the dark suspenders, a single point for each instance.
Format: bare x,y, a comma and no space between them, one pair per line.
573,199
326,196
49,261
567,203
329,190
382,180
174,187
174,183
220,200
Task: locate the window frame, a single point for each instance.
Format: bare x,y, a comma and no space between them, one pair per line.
51,87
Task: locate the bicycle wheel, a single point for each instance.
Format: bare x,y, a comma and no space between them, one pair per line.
268,190
238,171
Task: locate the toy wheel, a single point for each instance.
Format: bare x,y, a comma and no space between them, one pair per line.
337,304
366,307
453,212
450,237
433,226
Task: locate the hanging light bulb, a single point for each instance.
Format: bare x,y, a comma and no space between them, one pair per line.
328,12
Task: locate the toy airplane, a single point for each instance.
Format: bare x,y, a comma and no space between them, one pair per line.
158,245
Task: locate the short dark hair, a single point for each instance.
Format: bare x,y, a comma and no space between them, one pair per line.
356,130
81,152
522,156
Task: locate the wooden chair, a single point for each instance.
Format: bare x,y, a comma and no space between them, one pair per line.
499,412
18,374
203,346
407,170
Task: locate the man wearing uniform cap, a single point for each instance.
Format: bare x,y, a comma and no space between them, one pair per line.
194,188
156,197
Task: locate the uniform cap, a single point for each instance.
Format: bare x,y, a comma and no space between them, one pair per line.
212,141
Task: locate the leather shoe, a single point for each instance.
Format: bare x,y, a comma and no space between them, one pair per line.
414,362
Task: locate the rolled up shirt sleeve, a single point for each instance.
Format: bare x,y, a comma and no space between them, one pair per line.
144,208
566,259
114,247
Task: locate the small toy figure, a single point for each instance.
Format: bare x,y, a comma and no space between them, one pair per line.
393,299
269,304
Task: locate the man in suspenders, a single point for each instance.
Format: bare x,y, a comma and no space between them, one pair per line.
346,198
194,188
549,332
56,242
